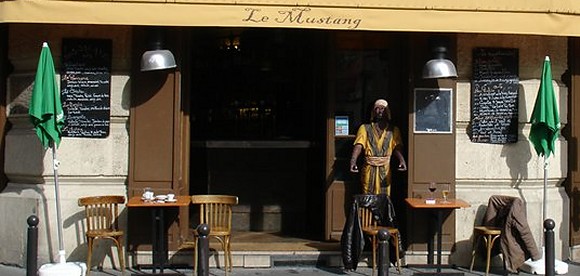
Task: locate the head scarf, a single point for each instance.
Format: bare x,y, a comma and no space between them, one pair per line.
383,103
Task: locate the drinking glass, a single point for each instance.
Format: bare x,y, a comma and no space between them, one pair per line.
445,192
432,188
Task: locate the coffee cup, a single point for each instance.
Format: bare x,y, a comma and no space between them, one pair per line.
170,197
148,194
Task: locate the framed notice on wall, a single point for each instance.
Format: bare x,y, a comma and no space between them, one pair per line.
86,87
341,125
433,110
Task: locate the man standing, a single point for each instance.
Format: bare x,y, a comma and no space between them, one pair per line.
379,140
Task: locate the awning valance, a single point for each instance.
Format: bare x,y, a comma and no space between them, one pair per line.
535,17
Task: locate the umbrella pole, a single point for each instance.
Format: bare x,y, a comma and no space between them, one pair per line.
539,266
545,199
55,163
61,268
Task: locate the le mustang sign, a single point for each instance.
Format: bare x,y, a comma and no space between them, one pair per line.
299,16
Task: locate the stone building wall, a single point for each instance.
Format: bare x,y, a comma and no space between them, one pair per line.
515,169
87,166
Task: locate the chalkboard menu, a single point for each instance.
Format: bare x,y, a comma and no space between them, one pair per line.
494,102
433,110
86,87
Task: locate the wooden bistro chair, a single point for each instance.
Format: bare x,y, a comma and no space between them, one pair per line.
102,214
369,227
489,234
216,212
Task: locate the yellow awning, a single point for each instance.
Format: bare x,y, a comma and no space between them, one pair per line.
538,17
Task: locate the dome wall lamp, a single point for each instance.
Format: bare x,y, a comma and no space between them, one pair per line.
157,58
439,66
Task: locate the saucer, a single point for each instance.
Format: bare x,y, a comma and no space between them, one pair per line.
171,200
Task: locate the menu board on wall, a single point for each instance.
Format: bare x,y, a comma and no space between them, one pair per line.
86,87
494,97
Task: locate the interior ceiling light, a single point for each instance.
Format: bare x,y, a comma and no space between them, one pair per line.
439,66
157,58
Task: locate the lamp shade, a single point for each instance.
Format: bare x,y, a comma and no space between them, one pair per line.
157,60
157,57
439,68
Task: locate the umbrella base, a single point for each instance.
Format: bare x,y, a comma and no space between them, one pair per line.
539,267
63,269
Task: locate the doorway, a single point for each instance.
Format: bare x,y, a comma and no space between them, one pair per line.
257,126
263,109
365,66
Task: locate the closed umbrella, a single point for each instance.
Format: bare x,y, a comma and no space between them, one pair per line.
545,122
48,119
45,106
544,132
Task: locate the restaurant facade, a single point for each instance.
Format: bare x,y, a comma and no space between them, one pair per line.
264,104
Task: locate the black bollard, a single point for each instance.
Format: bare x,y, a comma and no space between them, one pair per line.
32,246
383,252
549,225
203,250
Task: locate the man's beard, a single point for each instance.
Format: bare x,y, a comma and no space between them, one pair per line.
378,119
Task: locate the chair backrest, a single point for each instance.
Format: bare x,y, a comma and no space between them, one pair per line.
498,207
375,209
215,211
101,212
366,217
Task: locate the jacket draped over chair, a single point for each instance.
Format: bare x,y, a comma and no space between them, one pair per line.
517,242
352,240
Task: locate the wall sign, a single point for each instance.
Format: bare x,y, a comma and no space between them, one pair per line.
86,87
433,110
494,97
341,125
299,16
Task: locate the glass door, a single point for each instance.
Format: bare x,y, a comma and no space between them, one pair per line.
365,67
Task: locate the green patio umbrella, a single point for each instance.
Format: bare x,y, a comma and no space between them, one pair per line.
544,132
48,119
45,106
545,119
545,122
